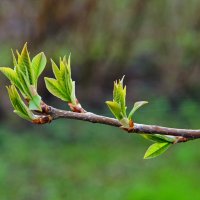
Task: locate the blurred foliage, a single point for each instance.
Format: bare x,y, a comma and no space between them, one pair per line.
77,160
156,44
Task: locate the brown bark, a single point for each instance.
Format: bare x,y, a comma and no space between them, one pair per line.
183,135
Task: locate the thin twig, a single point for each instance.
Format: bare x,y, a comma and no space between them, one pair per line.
183,135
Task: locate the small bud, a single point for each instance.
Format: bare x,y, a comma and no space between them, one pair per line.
42,120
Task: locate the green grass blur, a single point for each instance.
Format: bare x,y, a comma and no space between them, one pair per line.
78,160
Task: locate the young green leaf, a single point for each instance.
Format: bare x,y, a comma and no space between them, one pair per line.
156,149
55,89
12,76
14,59
56,70
38,65
25,84
34,103
115,109
136,106
118,86
63,86
19,106
22,115
119,95
73,96
159,138
24,64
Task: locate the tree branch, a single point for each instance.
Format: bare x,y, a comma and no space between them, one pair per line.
182,135
24,79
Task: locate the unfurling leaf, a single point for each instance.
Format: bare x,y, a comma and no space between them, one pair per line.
25,75
34,103
118,105
119,95
54,88
73,95
24,64
136,106
38,65
115,109
56,71
20,107
25,84
156,149
12,76
63,86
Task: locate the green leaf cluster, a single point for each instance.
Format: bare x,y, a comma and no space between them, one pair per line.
25,75
118,105
118,108
62,86
20,108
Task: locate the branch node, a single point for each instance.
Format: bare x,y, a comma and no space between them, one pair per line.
76,108
45,108
180,140
43,119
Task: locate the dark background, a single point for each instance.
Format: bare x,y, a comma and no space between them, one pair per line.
156,45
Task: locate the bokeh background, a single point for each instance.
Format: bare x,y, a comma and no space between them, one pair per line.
156,45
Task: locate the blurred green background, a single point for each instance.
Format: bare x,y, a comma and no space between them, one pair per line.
156,45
